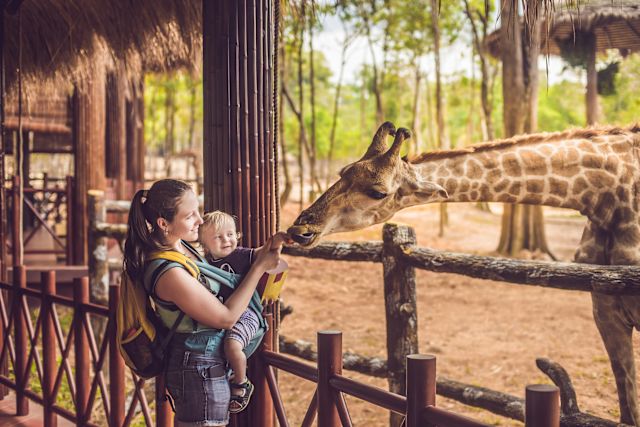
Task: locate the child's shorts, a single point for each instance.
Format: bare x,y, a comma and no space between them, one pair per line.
199,387
245,328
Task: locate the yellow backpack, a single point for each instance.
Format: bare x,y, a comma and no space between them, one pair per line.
142,338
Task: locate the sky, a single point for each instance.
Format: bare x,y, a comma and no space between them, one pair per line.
455,60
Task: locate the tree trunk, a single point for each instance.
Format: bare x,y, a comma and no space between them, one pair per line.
443,140
313,176
592,84
169,125
192,117
376,86
485,67
522,225
286,191
301,129
336,107
416,141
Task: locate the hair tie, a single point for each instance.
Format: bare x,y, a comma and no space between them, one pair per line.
144,196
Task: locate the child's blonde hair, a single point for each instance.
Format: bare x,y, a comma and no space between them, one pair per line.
217,219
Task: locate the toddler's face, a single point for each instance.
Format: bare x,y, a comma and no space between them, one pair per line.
219,241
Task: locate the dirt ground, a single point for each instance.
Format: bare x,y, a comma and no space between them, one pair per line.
483,332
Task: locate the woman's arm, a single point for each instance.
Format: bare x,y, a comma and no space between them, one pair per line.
179,287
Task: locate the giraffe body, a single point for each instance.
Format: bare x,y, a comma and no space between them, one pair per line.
595,171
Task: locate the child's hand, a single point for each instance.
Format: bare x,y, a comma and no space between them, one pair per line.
278,239
266,258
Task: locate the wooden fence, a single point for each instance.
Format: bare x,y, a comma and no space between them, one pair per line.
400,256
47,206
400,304
41,358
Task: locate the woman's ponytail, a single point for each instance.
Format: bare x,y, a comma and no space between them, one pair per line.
143,236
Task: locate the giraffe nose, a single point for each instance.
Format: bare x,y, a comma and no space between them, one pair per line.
305,217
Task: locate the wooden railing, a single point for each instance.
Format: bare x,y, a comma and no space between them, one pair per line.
55,203
50,364
399,256
418,405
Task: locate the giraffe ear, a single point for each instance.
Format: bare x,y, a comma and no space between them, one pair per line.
378,145
430,191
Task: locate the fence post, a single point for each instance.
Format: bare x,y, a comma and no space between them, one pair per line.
329,364
98,257
421,386
20,325
400,307
48,280
116,364
16,219
80,298
542,406
262,412
69,242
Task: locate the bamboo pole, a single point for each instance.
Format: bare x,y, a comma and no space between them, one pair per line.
542,407
20,337
48,281
81,346
116,365
329,364
421,386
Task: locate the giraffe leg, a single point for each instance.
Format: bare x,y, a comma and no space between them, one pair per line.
616,332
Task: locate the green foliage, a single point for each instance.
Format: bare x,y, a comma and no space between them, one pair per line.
183,86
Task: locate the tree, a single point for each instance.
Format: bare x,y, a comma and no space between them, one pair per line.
522,225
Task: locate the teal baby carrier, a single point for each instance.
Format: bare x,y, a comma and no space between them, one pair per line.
194,336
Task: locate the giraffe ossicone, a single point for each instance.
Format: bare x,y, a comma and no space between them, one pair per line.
595,171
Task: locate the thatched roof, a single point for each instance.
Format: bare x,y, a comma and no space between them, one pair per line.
615,23
65,38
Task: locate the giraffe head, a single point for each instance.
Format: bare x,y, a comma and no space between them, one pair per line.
368,192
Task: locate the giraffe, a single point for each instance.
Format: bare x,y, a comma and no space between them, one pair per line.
595,171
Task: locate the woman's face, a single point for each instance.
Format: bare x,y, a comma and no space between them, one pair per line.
187,220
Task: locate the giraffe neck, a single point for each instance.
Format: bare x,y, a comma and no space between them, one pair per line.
586,174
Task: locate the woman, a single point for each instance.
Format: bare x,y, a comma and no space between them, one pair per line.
164,218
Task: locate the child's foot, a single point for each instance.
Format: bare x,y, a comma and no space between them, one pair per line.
240,396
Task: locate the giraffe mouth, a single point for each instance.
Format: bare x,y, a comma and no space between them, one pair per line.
302,236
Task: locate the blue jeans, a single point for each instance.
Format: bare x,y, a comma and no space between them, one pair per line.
199,387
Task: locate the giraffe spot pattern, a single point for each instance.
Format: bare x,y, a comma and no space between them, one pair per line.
558,187
535,186
510,165
515,189
500,186
599,179
579,185
535,164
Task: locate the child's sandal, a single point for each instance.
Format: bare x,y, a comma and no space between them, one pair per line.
239,402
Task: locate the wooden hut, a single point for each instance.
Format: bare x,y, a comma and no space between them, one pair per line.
584,31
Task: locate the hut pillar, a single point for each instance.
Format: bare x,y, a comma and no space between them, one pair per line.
238,114
3,151
89,147
116,157
135,135
239,167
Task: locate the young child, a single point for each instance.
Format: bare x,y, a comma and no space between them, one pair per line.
219,240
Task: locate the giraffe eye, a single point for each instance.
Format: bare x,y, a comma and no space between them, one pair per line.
374,194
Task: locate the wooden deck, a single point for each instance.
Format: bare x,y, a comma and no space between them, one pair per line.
8,416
